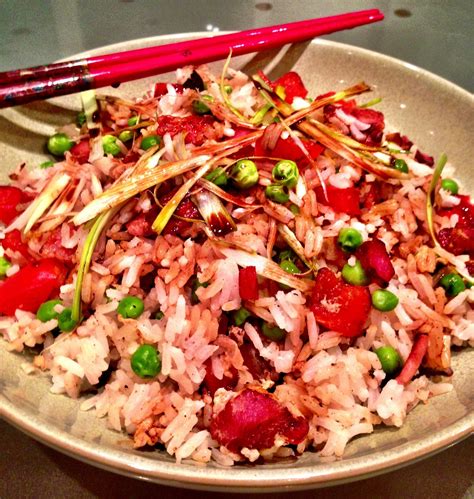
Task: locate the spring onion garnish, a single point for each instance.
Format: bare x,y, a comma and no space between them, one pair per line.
260,114
167,212
430,196
214,213
39,206
94,233
294,244
230,198
225,95
371,103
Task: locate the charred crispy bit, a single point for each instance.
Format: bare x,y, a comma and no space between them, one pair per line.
425,259
255,419
148,432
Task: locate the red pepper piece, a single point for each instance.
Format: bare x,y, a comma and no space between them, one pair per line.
253,419
13,241
288,149
464,210
339,306
293,85
375,261
413,362
185,209
426,159
10,198
81,151
340,200
195,127
458,240
212,383
161,89
31,286
248,283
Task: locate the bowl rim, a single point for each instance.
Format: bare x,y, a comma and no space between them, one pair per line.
249,478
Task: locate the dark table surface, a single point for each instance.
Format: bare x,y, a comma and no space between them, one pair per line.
433,34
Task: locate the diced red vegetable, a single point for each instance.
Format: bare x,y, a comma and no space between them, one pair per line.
426,159
14,242
185,209
293,85
81,151
161,89
339,306
288,149
141,225
248,283
376,121
10,198
375,261
212,383
373,196
414,360
464,210
253,419
457,240
340,200
258,367
52,248
31,286
197,128
401,140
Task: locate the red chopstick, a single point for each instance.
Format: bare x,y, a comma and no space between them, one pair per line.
25,85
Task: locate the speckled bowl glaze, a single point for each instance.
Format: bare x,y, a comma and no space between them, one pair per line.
433,112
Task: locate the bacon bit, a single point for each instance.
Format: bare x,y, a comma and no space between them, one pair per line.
258,367
14,242
413,362
373,196
196,128
292,84
401,140
162,89
339,306
53,248
31,286
254,419
10,198
340,200
426,159
375,260
80,152
212,384
141,226
248,283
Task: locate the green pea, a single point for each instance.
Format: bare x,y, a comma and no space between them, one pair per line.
145,361
80,119
46,164
277,193
273,333
133,121
46,310
218,177
400,165
159,315
59,143
294,209
290,267
65,321
448,184
4,266
228,89
130,307
150,141
196,285
389,358
240,316
453,284
287,254
285,172
109,143
244,174
126,135
349,239
354,274
199,107
384,300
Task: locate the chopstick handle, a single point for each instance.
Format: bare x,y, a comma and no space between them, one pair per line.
77,76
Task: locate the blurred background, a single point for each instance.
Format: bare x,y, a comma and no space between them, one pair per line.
434,34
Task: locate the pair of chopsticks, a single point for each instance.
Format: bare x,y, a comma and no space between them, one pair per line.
41,82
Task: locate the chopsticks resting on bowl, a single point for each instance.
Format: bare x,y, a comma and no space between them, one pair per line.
41,82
